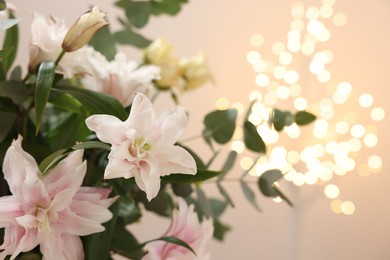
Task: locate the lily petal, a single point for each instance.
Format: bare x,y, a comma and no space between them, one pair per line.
171,124
108,129
141,115
10,208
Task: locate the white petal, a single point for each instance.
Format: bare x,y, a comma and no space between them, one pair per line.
16,161
108,129
179,161
170,125
148,180
71,223
141,115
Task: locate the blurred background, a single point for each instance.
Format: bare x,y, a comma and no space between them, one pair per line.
254,52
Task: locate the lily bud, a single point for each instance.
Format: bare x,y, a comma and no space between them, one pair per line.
84,29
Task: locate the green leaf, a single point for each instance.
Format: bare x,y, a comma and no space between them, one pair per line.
138,13
14,90
252,139
30,256
6,52
218,207
52,160
66,102
6,122
128,210
11,39
161,204
43,87
266,183
304,118
220,230
91,145
249,195
125,244
229,163
104,42
171,7
201,175
220,124
6,24
199,163
2,5
182,189
204,203
225,194
98,244
95,102
169,239
128,36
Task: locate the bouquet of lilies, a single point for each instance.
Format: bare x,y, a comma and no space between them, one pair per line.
82,147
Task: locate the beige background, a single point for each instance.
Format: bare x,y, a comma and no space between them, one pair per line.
222,29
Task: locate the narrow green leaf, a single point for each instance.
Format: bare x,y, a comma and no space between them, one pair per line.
52,160
138,13
128,36
201,175
304,118
6,24
220,124
7,120
11,39
252,139
225,194
104,42
249,195
176,241
91,145
204,202
66,102
43,87
95,102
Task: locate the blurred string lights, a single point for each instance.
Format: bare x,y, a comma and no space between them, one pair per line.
339,136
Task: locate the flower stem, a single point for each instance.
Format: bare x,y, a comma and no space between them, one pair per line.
60,56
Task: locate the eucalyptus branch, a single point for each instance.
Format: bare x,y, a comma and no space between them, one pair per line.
250,168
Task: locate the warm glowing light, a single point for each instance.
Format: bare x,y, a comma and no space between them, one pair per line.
320,128
358,130
293,157
283,92
279,72
259,66
323,35
378,114
269,136
312,13
307,48
238,133
293,35
295,90
297,10
255,95
336,206
363,169
355,144
347,207
285,58
342,127
366,100
324,76
277,199
297,25
300,103
222,103
339,98
328,2
375,162
326,11
278,48
331,147
253,57
278,156
271,98
370,140
293,130
299,179
246,163
239,107
294,45
344,88
262,80
257,40
339,19
331,191
238,146
350,117
291,77
316,67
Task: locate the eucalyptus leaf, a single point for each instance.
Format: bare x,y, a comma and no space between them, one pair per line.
182,189
14,90
249,195
229,163
171,7
95,102
138,13
304,118
128,36
267,185
220,230
104,42
204,202
280,119
220,124
252,139
201,175
7,120
43,87
225,194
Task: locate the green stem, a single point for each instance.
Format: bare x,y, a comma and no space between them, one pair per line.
250,168
60,56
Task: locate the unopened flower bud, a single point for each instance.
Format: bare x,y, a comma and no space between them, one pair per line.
84,29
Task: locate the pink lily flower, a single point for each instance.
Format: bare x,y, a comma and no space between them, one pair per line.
52,210
143,146
185,225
